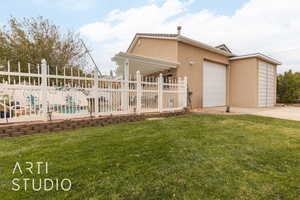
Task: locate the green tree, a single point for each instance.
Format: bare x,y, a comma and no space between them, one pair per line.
31,39
288,87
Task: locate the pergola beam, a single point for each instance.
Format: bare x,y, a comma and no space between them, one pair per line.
145,65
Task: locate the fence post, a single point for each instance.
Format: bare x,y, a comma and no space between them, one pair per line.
95,92
138,92
160,92
44,90
185,94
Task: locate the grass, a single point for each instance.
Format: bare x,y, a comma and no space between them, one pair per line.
187,157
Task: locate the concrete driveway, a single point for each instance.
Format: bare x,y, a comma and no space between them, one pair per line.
289,112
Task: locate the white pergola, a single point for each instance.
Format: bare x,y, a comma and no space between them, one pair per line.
129,64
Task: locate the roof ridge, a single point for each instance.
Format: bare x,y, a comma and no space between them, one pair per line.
158,34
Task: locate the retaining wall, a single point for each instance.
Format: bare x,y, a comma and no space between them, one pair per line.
30,128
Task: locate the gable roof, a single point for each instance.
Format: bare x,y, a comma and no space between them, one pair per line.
221,49
179,38
224,48
257,55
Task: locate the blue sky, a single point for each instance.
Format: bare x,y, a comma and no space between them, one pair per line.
271,27
64,13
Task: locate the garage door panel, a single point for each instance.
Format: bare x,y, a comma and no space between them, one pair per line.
214,84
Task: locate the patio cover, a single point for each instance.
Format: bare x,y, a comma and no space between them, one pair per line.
129,64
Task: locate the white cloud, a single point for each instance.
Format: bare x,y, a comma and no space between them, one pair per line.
267,26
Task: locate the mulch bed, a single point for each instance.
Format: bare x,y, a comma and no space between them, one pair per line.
30,128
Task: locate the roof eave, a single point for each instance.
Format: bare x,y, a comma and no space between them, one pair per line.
257,55
145,59
204,46
131,44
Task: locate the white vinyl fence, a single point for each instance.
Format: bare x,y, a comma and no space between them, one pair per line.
41,95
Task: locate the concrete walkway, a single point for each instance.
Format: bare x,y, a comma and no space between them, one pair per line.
289,112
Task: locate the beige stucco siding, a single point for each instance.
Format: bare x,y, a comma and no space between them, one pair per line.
242,75
188,53
244,82
156,48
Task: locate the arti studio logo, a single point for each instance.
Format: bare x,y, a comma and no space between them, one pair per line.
46,184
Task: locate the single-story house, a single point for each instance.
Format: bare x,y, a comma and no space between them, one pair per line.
216,76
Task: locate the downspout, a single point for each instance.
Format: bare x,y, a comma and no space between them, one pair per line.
228,89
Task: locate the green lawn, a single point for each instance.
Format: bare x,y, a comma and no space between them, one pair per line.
187,157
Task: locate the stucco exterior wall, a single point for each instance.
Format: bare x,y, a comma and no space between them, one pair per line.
242,75
156,48
194,72
244,82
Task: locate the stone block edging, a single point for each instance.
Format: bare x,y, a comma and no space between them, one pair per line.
30,128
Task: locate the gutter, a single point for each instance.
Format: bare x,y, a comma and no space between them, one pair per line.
257,55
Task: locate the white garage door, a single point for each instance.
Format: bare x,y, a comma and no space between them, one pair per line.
214,84
267,88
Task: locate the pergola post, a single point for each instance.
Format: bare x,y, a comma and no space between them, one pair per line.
125,87
126,69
